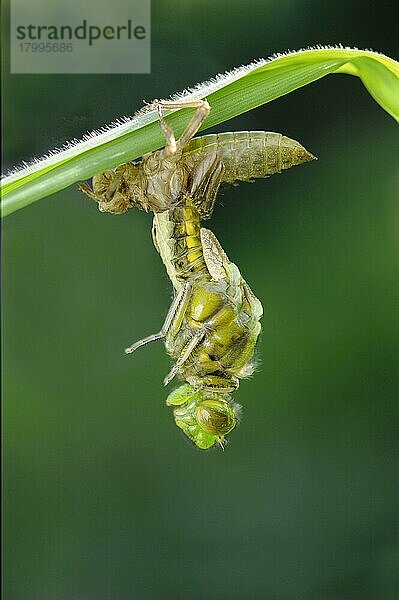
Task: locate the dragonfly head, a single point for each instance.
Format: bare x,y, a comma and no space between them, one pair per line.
117,190
107,192
205,417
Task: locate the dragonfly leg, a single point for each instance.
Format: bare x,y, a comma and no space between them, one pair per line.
198,118
171,145
192,127
86,189
174,317
192,344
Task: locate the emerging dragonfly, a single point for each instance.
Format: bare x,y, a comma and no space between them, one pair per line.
213,323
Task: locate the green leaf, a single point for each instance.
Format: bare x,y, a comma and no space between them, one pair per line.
229,95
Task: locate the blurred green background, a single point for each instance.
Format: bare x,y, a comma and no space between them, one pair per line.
103,498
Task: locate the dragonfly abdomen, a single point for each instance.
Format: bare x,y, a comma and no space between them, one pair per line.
177,238
249,155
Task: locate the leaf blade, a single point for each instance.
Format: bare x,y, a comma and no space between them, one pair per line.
233,94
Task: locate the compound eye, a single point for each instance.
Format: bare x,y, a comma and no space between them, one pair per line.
216,417
104,184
